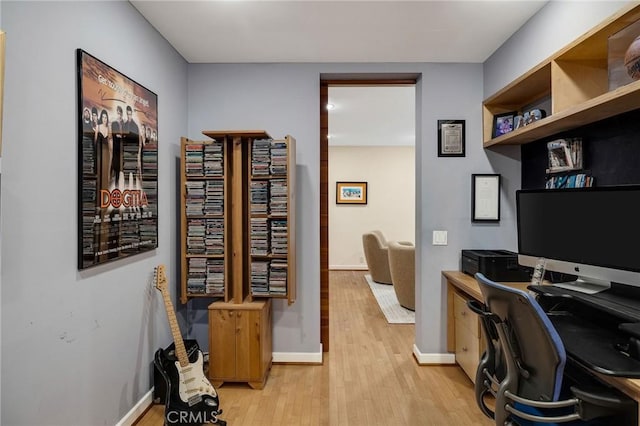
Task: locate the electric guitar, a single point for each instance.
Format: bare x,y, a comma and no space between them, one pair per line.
190,398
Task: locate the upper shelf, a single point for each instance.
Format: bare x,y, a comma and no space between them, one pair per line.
621,100
574,82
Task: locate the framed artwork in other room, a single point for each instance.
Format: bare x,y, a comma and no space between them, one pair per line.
351,192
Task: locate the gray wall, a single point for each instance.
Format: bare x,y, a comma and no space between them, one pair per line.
557,24
284,99
76,346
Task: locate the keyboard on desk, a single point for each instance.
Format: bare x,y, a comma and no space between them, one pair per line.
594,346
588,326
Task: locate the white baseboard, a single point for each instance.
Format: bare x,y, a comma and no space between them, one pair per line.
349,267
426,359
298,357
137,410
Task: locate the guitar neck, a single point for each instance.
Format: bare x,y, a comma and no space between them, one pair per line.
181,352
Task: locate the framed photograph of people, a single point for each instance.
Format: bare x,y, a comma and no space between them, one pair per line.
503,123
485,198
451,138
117,164
351,192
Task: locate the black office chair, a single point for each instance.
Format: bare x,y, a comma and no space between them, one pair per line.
523,367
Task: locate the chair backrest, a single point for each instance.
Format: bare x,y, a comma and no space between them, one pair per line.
380,238
533,341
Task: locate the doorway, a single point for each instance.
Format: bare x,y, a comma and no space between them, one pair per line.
325,83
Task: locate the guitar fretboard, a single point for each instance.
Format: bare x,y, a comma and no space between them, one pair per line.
181,352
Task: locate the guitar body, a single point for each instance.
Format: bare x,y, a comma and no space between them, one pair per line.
190,399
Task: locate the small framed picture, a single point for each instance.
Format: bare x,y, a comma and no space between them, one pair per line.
451,141
503,123
351,192
485,198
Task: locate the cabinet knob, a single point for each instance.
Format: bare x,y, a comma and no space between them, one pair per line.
464,349
464,313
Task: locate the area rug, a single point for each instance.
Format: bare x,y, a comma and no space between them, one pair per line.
389,305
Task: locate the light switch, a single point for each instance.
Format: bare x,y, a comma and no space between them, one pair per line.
439,238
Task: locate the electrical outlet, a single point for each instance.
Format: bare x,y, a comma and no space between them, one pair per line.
439,238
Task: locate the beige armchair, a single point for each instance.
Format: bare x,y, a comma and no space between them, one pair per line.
375,251
402,265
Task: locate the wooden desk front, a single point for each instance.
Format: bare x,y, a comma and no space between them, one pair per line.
466,286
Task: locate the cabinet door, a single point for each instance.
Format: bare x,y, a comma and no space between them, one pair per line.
266,353
467,336
222,343
248,345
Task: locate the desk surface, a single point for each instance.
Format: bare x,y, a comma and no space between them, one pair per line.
468,285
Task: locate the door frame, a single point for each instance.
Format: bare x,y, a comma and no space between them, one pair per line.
385,79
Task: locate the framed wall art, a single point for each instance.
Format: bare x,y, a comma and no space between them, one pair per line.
451,138
351,192
485,198
117,164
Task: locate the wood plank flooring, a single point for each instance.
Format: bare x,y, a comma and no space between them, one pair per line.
369,377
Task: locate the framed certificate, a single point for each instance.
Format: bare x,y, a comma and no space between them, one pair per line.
451,138
485,198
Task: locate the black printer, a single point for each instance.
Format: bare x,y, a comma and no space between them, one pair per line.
497,265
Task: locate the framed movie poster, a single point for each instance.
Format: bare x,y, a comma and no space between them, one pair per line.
117,164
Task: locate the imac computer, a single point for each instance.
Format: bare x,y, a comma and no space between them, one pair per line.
591,233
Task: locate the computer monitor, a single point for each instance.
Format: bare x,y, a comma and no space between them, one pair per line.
593,233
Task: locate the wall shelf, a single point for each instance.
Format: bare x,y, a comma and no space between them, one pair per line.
575,79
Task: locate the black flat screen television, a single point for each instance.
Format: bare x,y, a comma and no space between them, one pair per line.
593,233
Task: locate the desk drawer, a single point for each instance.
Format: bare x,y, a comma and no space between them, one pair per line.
464,317
467,352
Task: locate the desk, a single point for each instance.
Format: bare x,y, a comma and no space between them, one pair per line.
462,285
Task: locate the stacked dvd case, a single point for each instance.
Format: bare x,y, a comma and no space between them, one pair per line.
261,157
278,197
279,154
260,278
278,269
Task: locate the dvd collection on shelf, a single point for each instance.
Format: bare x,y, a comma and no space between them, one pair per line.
565,155
268,224
204,210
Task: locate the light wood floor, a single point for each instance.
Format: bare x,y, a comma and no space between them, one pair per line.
369,377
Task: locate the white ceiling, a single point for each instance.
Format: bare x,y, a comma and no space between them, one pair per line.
237,31
336,31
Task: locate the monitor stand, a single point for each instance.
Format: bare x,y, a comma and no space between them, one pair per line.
585,285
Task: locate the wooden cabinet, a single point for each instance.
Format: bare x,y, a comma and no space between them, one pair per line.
238,222
573,81
240,342
238,243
